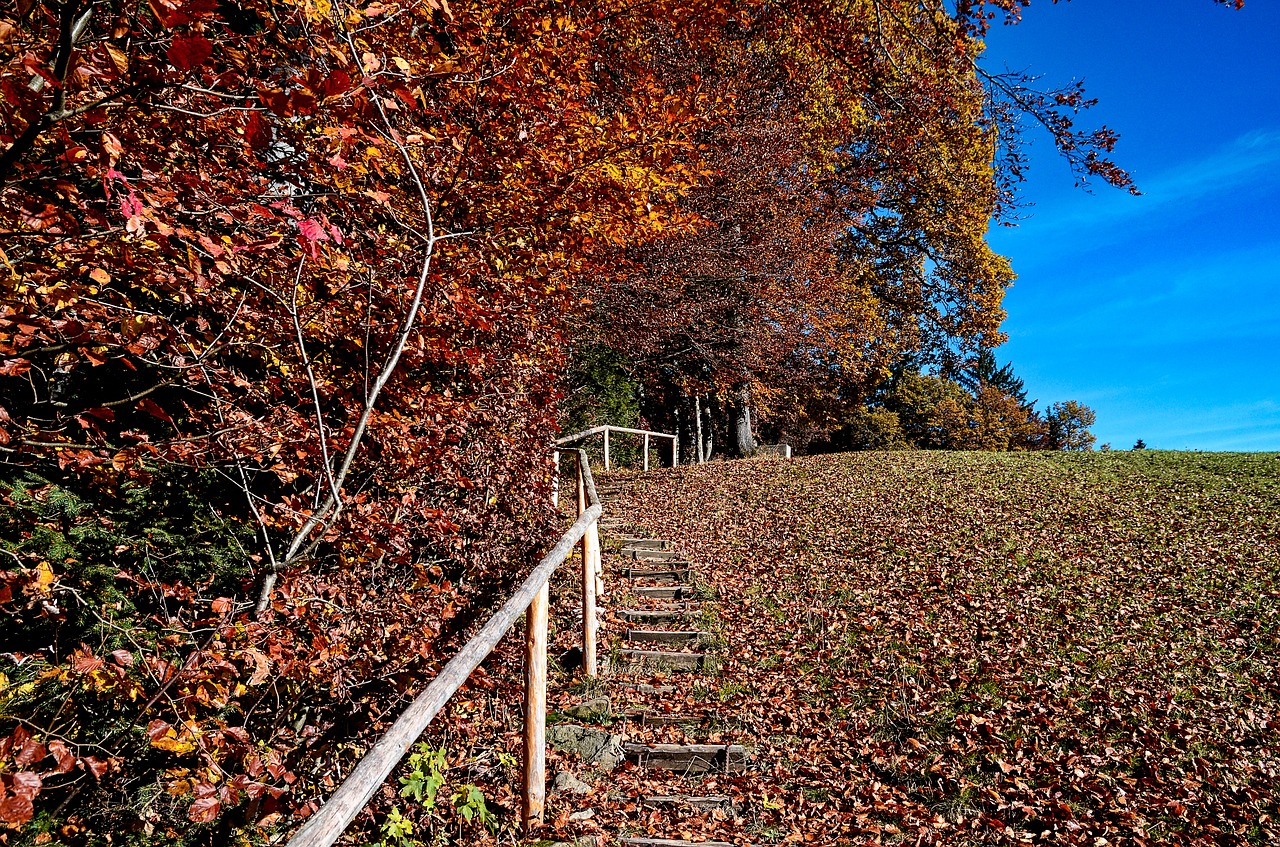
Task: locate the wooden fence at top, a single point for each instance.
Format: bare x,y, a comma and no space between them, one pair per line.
326,826
646,435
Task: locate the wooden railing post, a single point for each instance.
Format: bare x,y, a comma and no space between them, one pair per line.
590,557
597,570
535,710
646,451
606,448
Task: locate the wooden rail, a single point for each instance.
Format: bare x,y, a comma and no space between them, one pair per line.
608,428
327,825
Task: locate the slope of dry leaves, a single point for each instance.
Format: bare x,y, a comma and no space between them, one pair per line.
952,648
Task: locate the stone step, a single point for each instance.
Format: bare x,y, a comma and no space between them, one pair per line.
665,636
636,659
641,554
711,801
664,592
638,543
646,688
663,719
668,615
666,575
667,842
688,758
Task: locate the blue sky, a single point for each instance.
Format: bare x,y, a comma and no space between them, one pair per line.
1162,312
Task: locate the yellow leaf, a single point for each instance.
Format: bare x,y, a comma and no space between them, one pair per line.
317,10
44,575
169,741
118,58
100,276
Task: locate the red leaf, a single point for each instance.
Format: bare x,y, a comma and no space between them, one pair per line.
312,230
189,52
31,752
15,811
14,367
123,658
166,13
239,733
27,784
276,101
337,83
204,810
66,760
154,409
95,766
82,661
255,132
406,95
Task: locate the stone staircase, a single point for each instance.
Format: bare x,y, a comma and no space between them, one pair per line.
653,630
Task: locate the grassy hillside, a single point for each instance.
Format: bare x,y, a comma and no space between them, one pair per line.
992,648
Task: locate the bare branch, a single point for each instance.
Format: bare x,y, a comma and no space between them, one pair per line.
303,543
315,389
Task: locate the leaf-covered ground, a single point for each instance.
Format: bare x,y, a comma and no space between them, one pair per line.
951,648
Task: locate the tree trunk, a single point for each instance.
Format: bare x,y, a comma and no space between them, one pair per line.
697,428
744,442
708,432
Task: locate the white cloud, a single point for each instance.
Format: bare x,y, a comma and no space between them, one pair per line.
1176,300
1250,164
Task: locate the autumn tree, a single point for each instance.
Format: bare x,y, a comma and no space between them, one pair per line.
990,419
1069,424
858,155
868,428
930,411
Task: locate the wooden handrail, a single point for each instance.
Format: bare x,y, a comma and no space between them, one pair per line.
596,430
327,825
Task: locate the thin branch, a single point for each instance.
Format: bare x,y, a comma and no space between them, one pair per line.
77,31
212,114
302,543
315,389
131,398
